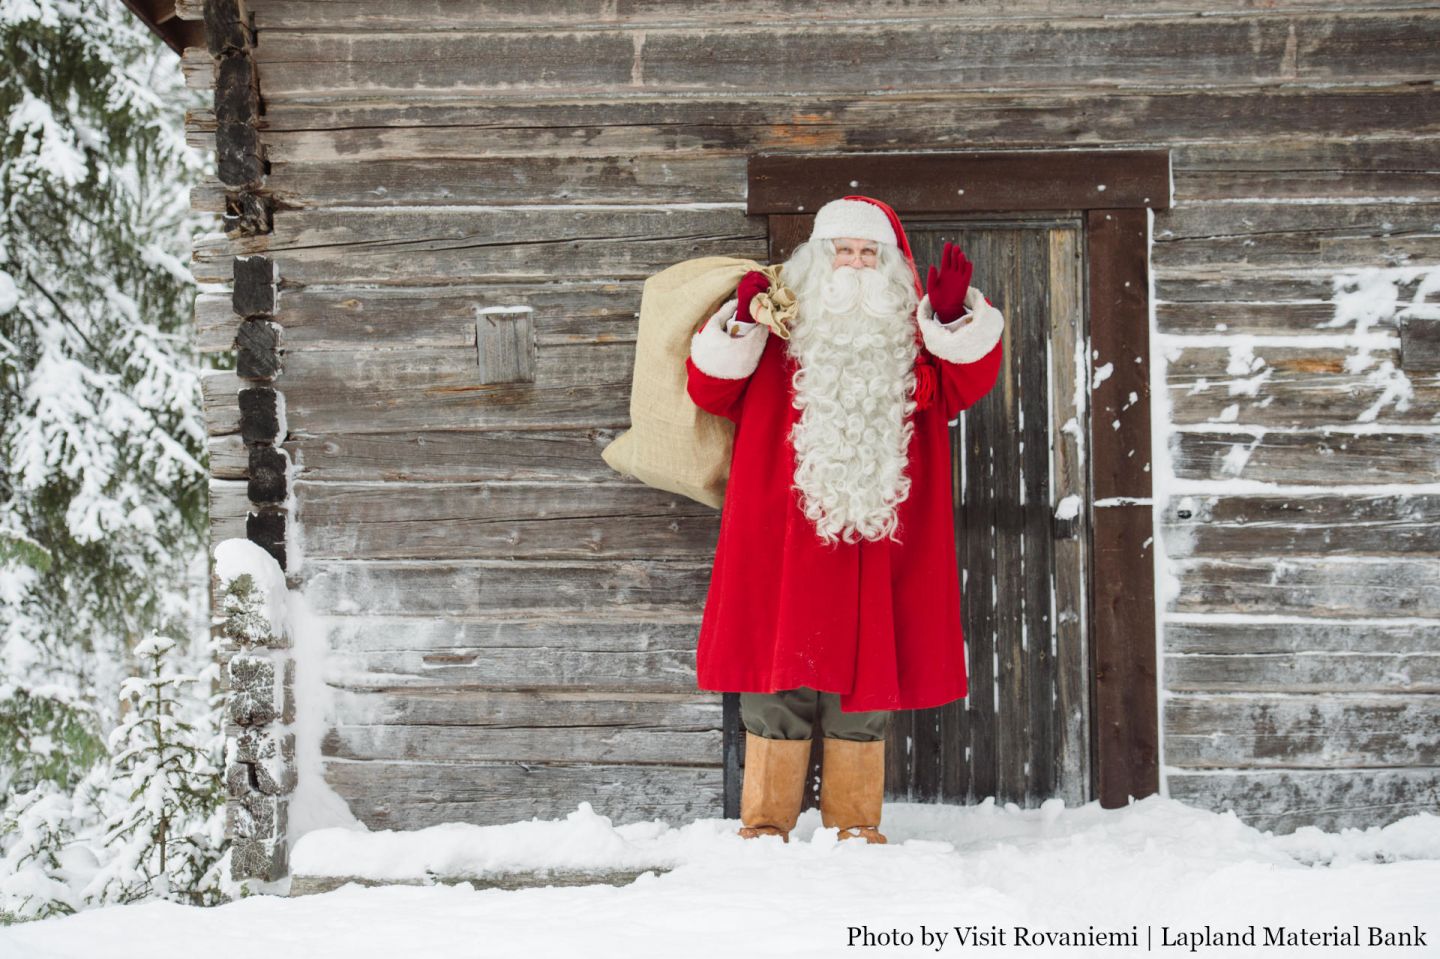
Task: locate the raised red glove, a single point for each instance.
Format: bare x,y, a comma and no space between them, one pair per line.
948,285
750,284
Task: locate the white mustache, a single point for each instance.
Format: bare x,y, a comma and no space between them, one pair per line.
847,289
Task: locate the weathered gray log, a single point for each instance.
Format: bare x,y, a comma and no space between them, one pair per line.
399,795
686,178
229,457
1300,635
1215,50
1240,731
600,744
1359,672
1320,458
425,245
1314,585
506,587
466,667
455,455
1294,388
503,519
577,387
1332,799
380,129
1229,288
1282,524
457,404
1189,230
565,726
1262,233
221,394
228,508
459,456
362,15
482,713
411,318
419,668
601,632
1279,168
1287,319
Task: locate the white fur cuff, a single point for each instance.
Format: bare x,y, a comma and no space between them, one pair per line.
966,342
728,357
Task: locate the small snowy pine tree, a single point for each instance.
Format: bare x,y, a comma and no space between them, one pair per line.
34,833
160,837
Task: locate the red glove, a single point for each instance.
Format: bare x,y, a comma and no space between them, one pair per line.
750,284
948,285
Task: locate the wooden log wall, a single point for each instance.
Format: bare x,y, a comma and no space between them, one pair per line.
512,625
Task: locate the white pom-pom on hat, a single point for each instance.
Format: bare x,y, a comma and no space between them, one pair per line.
852,218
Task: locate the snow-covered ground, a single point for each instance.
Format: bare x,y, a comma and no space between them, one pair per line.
1157,870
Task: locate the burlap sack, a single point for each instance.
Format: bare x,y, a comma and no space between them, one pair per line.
672,444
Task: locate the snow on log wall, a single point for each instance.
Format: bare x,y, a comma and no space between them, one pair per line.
512,625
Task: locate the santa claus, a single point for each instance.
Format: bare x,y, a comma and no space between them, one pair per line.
834,596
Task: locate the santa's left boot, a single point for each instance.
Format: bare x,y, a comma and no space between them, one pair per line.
852,788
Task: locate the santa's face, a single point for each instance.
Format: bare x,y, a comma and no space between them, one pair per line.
857,253
853,344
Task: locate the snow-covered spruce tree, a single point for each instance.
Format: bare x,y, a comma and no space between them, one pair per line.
162,837
102,479
101,432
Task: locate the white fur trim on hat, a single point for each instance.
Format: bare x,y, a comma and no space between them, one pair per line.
853,218
728,357
968,342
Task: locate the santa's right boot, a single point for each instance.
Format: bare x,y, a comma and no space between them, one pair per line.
774,785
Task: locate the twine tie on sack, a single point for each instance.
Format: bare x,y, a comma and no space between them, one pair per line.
777,306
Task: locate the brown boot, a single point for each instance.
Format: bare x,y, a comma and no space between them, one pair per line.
774,785
852,788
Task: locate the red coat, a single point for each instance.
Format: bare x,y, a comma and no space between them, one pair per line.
875,621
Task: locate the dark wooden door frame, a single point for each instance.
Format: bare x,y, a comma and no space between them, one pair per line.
1112,191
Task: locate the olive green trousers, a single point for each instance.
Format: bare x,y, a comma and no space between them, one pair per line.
792,713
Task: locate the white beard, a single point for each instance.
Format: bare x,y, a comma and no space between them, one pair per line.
854,343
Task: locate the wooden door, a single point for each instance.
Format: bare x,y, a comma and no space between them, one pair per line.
1022,734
